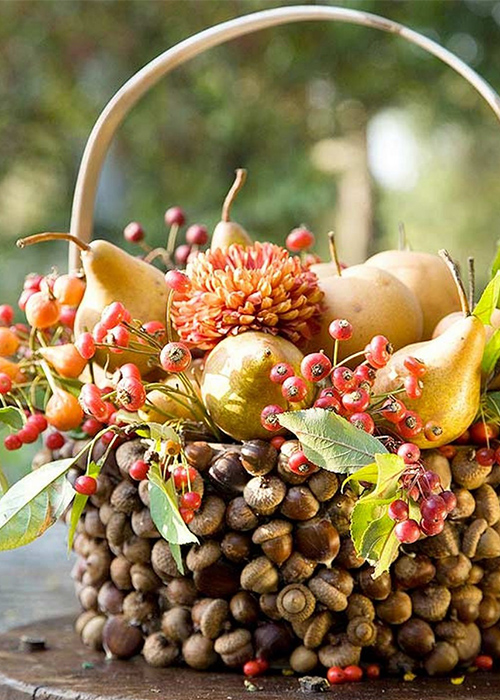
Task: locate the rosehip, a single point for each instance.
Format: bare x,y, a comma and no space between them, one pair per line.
415,366
315,366
182,254
186,514
335,675
178,281
485,456
353,673
129,369
42,311
252,668
28,434
412,387
277,441
112,314
299,464
407,531
410,425
432,431
365,374
120,336
39,420
86,485
449,451
299,239
5,383
67,316
372,671
133,232
343,379
393,410
269,417
139,470
6,314
340,329
398,510
357,400
91,426
380,349
483,662
197,234
363,421
175,357
328,403
294,389
99,332
130,393
154,328
280,372
481,432
175,216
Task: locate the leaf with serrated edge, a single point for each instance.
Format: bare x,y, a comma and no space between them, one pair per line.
390,468
495,266
491,354
12,416
489,300
164,510
368,474
330,441
34,503
79,504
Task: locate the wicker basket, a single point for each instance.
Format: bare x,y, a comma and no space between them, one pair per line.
262,582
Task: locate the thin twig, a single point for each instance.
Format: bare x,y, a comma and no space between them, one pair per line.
239,181
333,252
453,267
472,281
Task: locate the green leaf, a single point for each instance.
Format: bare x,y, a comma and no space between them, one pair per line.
489,300
368,473
34,503
330,441
390,468
157,431
490,406
79,504
381,544
495,267
165,512
12,416
491,354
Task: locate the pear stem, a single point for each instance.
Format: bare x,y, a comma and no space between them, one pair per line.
50,236
333,252
402,239
453,268
472,281
239,181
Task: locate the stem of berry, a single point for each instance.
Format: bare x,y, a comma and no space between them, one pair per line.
333,252
239,181
169,316
142,334
172,237
51,236
453,267
50,378
154,253
335,352
199,405
348,359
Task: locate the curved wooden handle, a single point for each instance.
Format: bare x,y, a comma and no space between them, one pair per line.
82,214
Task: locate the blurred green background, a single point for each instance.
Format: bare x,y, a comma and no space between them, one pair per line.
339,126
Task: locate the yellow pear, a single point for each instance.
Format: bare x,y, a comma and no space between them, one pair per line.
228,232
429,279
236,387
451,383
374,302
165,407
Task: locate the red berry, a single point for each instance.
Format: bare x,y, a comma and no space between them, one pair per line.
357,400
280,372
430,481
449,499
182,254
67,316
343,379
409,452
448,451
6,314
190,499
294,389
39,420
481,432
183,477
315,366
483,662
410,425
415,366
263,663
412,387
372,671
23,299
133,232
340,329
407,531
398,510
175,216
393,410
178,281
252,668
139,470
328,403
380,349
175,357
130,393
54,440
33,281
197,234
432,527
277,441
485,456
363,421
5,383
186,514
353,673
433,507
85,345
299,464
12,442
154,328
99,332
129,369
299,239
86,485
92,403
112,314
28,434
432,431
365,374
91,426
335,675
269,417
463,439
119,336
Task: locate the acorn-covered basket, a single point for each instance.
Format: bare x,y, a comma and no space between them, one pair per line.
230,523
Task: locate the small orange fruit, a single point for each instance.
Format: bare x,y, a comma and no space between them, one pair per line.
42,311
65,359
69,290
63,411
9,342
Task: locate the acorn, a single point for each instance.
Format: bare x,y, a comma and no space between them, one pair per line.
93,632
297,568
110,599
104,488
236,546
465,601
144,578
275,539
489,611
227,473
466,504
342,654
491,641
117,531
120,639
235,648
284,472
347,556
158,651
198,652
361,631
127,453
209,518
244,608
138,608
487,504
268,603
199,454
360,606
467,471
272,640
143,525
87,597
339,510
213,618
413,571
143,491
316,628
105,513
220,580
442,659
239,515
163,562
82,620
416,638
93,524
395,609
384,646
431,602
181,591
125,498
375,588
328,593
436,462
323,484
303,660
295,602
97,566
137,550
202,555
258,457
299,503
453,571
259,576
120,573
176,624
443,545
317,539
264,494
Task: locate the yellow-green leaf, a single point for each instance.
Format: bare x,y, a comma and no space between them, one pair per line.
489,300
79,504
34,503
12,416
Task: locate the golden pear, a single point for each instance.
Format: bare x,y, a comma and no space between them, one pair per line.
429,279
374,302
228,232
236,387
451,383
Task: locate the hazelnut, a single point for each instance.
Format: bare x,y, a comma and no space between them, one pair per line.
198,652
120,639
176,624
158,651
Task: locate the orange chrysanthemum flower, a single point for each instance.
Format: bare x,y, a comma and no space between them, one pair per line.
258,288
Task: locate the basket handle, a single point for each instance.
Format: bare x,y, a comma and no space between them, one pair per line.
116,110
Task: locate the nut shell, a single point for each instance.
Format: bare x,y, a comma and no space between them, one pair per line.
264,494
295,602
260,576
